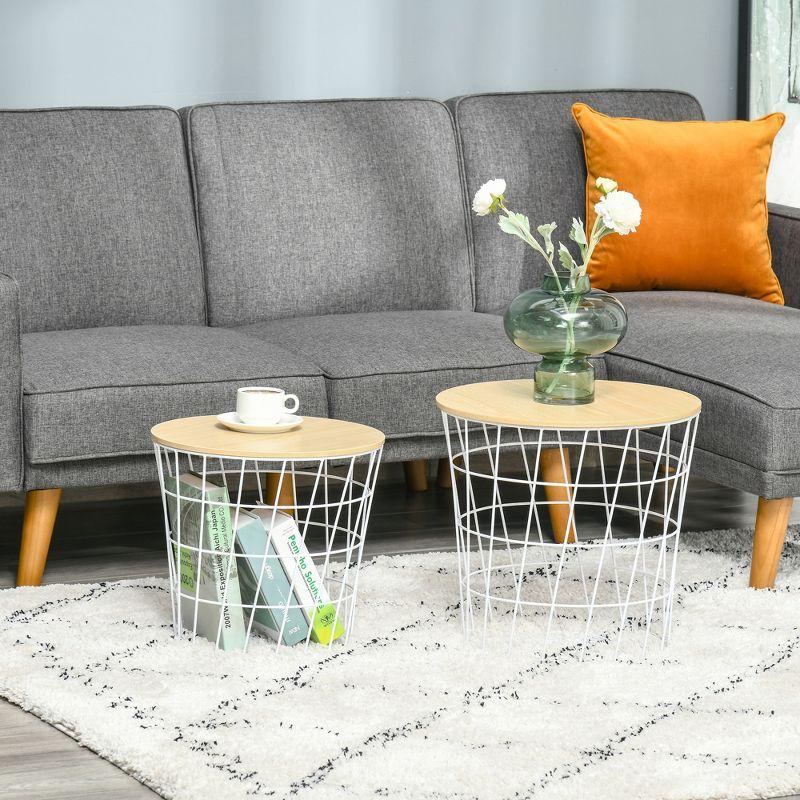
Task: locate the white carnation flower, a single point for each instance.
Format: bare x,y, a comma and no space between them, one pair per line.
606,185
484,197
619,211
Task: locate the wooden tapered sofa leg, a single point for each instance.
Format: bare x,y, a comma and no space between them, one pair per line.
41,507
416,473
443,477
555,469
286,496
772,519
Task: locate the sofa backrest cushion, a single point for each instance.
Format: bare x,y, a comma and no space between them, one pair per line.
531,140
96,218
328,207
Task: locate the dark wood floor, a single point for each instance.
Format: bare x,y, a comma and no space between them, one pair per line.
112,533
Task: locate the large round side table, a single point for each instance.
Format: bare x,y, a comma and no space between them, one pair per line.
265,532
568,518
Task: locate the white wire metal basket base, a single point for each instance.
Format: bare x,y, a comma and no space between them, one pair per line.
331,507
611,578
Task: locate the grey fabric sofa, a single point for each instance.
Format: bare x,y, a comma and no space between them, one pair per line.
151,262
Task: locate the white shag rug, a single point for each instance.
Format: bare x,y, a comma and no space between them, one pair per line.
407,710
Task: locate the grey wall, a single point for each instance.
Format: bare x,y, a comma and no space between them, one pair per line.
178,52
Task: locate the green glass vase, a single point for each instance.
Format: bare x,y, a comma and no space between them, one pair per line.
565,324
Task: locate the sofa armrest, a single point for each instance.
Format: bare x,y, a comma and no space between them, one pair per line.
784,239
11,466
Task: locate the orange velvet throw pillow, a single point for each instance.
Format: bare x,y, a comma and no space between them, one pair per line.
702,187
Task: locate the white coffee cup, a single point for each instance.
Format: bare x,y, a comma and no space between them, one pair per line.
263,405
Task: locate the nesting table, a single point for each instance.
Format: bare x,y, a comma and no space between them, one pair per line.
323,474
540,495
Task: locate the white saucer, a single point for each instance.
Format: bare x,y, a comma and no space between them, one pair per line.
288,422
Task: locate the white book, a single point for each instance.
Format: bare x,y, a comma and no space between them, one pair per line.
302,573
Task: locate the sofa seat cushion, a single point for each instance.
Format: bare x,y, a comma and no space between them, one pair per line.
96,392
385,369
738,355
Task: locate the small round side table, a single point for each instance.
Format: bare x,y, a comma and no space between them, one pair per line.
306,495
610,477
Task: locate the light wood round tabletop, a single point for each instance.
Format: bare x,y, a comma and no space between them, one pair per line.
317,437
617,404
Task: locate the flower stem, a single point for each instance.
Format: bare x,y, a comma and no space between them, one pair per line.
598,232
569,350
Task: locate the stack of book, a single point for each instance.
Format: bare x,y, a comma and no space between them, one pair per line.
271,577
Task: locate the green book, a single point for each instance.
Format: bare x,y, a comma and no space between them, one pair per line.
216,569
300,569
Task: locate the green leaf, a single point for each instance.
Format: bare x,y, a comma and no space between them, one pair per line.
509,226
546,232
517,225
566,259
577,233
522,221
